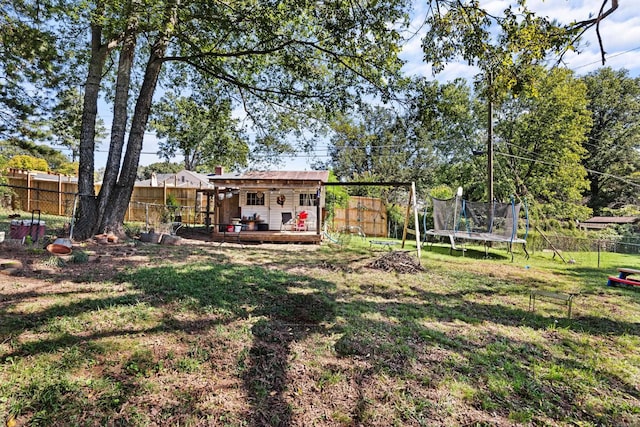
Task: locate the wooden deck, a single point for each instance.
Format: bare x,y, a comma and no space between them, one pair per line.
267,237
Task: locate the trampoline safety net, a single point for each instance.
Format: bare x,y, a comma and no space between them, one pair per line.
445,213
498,219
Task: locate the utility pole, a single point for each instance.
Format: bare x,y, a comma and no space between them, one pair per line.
490,140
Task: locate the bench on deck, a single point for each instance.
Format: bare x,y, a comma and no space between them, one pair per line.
553,297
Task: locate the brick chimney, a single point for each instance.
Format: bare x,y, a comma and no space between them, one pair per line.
219,170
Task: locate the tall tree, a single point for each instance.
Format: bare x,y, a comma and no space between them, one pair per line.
103,39
119,176
503,46
30,68
371,142
435,129
114,196
613,144
539,139
204,133
447,115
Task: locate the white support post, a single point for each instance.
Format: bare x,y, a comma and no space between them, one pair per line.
416,220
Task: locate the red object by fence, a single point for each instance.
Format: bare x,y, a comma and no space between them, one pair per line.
21,229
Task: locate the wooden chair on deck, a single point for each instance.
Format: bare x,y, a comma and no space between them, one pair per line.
300,224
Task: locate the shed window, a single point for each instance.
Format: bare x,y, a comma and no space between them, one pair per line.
310,199
255,199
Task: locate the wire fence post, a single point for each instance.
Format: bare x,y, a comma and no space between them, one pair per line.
146,216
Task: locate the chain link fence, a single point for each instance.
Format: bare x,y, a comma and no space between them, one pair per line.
146,206
588,251
621,244
165,218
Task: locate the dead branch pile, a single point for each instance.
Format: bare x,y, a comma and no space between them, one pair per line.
398,261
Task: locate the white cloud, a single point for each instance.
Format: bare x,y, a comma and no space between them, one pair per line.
412,49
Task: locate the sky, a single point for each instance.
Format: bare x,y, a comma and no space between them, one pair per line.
620,35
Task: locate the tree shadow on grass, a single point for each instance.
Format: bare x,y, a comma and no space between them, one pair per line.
266,379
476,312
387,336
288,307
511,377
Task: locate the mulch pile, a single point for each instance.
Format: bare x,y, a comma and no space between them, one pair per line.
398,261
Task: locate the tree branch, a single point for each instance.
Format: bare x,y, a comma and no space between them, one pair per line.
601,15
249,52
590,23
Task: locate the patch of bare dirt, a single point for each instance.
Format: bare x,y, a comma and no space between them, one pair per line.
90,260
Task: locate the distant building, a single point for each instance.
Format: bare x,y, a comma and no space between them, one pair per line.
182,179
602,222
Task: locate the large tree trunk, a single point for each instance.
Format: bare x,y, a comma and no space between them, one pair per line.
87,208
113,218
189,160
595,201
119,123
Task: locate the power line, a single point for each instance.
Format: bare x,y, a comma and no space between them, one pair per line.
619,178
609,57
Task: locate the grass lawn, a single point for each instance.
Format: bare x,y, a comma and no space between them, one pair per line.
296,335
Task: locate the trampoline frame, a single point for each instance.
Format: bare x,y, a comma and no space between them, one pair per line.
485,237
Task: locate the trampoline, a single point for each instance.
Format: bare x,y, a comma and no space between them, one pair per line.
462,220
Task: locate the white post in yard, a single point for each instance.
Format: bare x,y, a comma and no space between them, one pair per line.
415,216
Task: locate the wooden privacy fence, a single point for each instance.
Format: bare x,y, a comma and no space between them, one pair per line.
367,213
55,195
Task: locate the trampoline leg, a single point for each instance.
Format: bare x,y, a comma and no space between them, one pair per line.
453,243
524,246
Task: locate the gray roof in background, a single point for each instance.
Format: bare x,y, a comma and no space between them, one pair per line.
612,220
44,176
322,176
184,178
